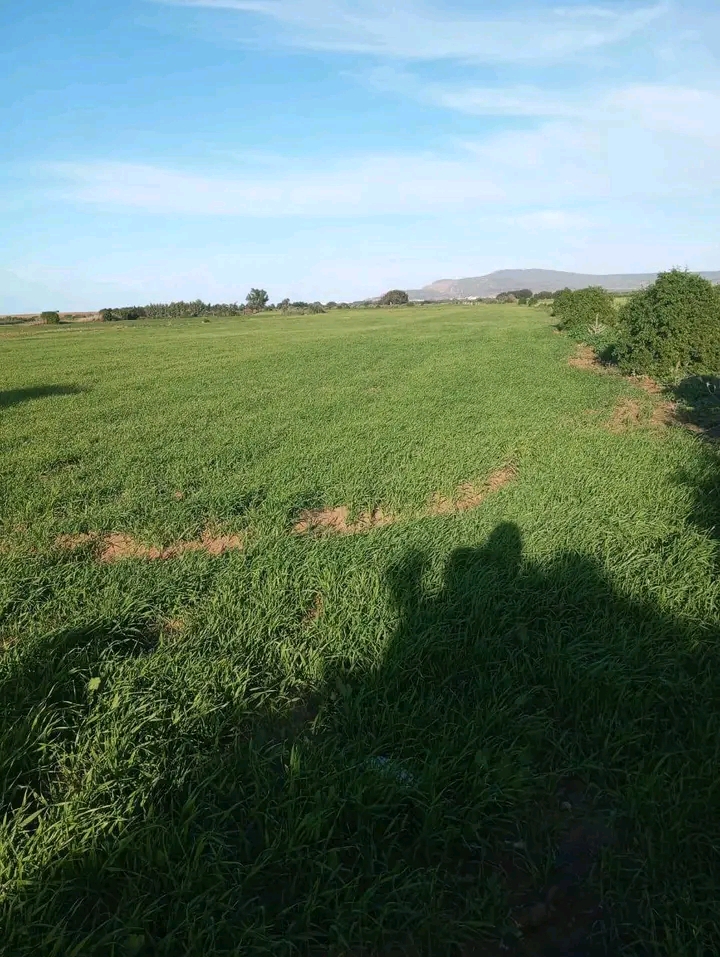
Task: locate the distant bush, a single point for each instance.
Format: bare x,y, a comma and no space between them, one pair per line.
672,326
395,297
257,300
50,318
584,308
124,312
540,297
172,310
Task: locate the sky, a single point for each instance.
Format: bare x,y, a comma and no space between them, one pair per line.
333,149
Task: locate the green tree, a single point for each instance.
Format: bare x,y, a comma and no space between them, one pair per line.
256,300
50,318
522,295
395,297
540,297
671,327
584,308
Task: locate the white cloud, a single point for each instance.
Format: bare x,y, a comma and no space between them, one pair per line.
665,107
365,186
544,219
685,111
641,142
409,30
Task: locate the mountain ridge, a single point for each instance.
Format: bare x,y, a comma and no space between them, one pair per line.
537,280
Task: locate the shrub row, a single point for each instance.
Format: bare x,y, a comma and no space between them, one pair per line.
592,308
669,329
672,327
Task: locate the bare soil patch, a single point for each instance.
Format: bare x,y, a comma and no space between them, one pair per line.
173,626
586,358
647,384
314,611
336,521
116,547
470,496
629,414
626,415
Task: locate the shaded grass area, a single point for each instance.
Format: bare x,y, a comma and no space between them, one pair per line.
353,745
15,396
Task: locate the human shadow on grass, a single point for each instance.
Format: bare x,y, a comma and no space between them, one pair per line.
528,771
699,401
46,689
12,397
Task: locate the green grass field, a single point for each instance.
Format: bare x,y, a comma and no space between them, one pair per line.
393,742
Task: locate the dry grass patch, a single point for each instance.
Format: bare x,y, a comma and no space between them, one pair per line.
468,496
336,521
314,611
116,547
626,415
630,414
586,358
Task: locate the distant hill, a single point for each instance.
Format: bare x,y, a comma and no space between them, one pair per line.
539,280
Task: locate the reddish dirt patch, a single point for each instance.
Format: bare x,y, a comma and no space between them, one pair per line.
116,547
664,413
647,384
314,611
470,496
215,544
75,541
336,521
626,415
586,358
629,414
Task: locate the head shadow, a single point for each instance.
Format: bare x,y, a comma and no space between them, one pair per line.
12,397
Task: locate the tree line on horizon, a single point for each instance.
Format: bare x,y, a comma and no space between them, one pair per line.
257,300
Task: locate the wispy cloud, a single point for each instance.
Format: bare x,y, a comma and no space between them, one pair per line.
670,107
363,186
549,219
410,30
635,143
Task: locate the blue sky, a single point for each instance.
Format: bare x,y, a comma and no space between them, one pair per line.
337,148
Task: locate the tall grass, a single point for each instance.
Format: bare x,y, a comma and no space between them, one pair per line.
329,745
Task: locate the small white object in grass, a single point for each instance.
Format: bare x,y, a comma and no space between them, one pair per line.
393,769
